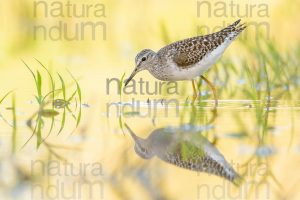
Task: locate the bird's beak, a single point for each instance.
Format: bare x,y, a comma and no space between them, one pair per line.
131,76
134,137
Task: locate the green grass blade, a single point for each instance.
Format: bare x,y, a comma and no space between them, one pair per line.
70,111
50,130
39,132
78,89
50,76
39,86
72,96
33,133
121,86
38,82
4,97
49,93
62,125
63,86
30,70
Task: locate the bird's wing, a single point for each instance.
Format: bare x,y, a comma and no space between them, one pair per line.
195,152
190,51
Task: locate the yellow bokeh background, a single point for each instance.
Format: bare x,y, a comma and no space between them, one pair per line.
131,26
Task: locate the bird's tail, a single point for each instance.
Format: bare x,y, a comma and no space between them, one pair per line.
231,175
234,29
237,180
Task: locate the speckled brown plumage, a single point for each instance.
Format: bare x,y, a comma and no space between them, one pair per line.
201,163
187,148
190,51
186,59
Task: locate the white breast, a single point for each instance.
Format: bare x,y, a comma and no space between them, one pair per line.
200,67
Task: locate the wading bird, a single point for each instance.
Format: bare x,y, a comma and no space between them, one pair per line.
185,147
187,59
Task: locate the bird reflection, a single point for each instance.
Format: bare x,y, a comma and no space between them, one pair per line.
185,147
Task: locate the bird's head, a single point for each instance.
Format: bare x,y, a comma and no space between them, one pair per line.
141,145
144,59
142,150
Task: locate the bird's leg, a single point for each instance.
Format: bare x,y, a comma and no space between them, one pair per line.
195,95
212,87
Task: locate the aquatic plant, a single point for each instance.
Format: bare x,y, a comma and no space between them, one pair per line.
51,98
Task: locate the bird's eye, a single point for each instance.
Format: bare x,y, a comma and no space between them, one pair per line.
144,58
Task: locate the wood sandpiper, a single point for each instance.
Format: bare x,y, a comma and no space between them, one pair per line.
185,147
187,59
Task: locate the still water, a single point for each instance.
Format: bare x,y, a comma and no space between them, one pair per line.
244,149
